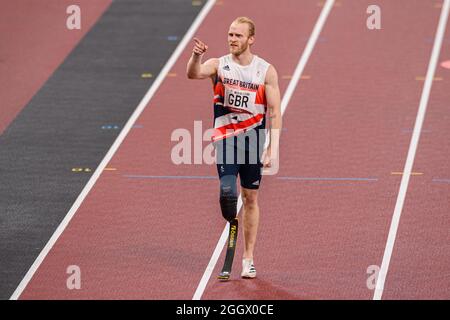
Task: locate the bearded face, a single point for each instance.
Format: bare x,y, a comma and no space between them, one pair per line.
238,38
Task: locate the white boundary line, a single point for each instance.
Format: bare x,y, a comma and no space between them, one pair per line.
112,150
412,151
286,98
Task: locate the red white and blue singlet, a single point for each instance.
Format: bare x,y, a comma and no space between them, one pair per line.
239,97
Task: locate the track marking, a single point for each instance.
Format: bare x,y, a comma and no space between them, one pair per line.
112,150
286,98
420,78
411,130
279,178
399,173
81,169
322,3
326,179
441,180
168,177
412,150
110,127
288,76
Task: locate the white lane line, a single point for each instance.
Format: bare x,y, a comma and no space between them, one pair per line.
412,151
137,112
286,98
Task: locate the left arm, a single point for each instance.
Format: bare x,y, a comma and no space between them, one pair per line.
274,106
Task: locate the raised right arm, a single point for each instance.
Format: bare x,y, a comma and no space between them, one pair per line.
195,69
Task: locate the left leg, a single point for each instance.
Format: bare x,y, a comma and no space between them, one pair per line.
250,220
250,176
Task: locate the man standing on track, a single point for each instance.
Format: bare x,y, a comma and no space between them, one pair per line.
245,88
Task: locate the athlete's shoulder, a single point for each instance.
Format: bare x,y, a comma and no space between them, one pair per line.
271,75
212,65
262,61
212,61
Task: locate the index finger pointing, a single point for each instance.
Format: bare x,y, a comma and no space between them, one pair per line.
199,42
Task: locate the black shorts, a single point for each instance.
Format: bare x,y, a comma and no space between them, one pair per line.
235,157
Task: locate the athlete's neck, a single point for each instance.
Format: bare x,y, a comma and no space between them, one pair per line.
244,59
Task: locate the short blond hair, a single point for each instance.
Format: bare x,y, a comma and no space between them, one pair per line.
249,22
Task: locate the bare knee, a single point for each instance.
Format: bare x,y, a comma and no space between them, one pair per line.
250,200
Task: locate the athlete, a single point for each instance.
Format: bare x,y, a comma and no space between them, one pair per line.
245,89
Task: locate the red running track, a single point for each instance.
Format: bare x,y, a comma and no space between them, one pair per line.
37,43
152,238
319,237
420,264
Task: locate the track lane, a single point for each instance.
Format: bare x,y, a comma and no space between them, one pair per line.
317,238
121,47
420,260
152,238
